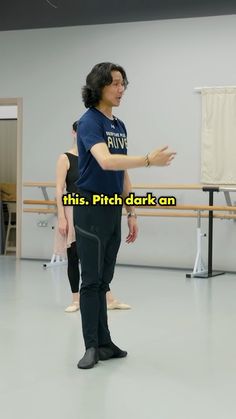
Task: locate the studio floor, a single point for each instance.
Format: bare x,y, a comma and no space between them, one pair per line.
180,336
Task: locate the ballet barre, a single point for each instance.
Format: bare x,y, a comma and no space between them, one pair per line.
178,214
48,202
171,209
173,186
211,189
138,185
210,211
190,207
40,201
169,213
42,185
41,210
226,189
178,211
184,186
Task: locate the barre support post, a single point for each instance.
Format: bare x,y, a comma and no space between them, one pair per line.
210,273
199,267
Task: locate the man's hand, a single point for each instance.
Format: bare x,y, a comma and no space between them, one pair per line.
133,230
161,157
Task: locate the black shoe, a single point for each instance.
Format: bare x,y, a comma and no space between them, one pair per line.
89,359
110,351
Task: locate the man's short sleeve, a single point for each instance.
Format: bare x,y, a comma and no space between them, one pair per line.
90,132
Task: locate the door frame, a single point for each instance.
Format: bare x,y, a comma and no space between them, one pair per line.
19,103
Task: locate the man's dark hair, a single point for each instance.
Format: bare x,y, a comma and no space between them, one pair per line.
99,77
74,126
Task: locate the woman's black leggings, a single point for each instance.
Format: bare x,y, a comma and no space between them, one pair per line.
73,267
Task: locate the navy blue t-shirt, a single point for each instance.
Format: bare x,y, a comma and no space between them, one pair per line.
93,128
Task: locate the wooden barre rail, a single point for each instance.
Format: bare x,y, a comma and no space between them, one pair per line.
184,215
190,207
147,187
176,214
41,210
39,202
40,184
186,186
136,186
153,207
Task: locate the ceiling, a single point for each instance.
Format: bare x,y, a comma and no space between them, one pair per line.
32,14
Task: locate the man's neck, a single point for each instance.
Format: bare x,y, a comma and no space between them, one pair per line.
106,110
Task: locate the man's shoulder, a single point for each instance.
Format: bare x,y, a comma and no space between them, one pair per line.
89,116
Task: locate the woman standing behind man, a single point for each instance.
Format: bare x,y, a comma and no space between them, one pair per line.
67,174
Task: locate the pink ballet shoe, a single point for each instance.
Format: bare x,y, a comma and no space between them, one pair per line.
74,306
116,305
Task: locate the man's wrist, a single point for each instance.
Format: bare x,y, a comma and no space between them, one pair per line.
131,214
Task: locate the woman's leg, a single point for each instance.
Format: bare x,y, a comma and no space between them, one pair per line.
73,276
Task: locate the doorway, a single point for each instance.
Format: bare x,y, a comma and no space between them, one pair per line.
12,115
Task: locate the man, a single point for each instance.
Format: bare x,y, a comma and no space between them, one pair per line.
103,164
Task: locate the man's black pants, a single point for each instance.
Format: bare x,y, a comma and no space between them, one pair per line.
98,237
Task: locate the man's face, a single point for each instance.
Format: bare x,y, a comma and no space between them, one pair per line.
112,94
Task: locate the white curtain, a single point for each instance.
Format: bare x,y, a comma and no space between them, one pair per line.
218,151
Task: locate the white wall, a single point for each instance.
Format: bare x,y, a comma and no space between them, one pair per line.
164,61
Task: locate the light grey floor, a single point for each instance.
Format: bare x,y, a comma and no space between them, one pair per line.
180,335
